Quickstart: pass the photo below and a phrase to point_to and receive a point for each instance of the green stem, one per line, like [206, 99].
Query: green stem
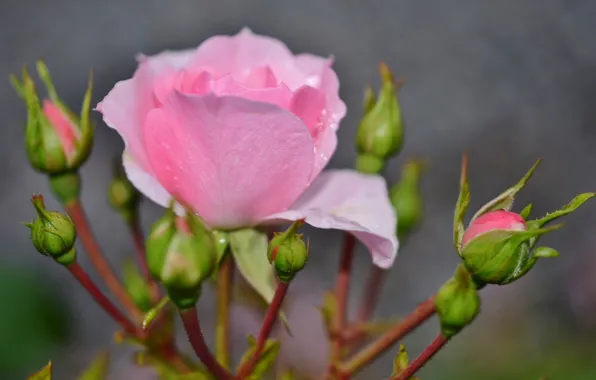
[225, 277]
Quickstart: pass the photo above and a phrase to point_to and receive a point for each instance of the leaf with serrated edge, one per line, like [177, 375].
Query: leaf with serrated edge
[573, 205]
[266, 359]
[249, 248]
[505, 200]
[98, 369]
[44, 374]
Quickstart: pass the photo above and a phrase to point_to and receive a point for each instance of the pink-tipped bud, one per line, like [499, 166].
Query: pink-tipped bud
[491, 221]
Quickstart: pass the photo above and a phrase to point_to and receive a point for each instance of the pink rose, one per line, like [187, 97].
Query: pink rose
[495, 220]
[66, 130]
[239, 129]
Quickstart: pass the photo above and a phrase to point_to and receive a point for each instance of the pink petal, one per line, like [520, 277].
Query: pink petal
[65, 128]
[260, 77]
[245, 51]
[353, 202]
[126, 106]
[232, 160]
[321, 76]
[495, 220]
[145, 182]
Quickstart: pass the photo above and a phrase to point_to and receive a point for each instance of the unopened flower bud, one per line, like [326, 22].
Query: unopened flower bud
[499, 246]
[457, 302]
[53, 234]
[380, 133]
[57, 141]
[287, 252]
[123, 196]
[183, 255]
[406, 199]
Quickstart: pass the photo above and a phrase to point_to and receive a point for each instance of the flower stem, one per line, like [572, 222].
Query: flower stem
[423, 312]
[342, 292]
[268, 323]
[371, 294]
[190, 320]
[79, 273]
[225, 277]
[439, 342]
[77, 214]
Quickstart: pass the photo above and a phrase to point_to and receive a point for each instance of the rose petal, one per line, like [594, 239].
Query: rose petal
[65, 128]
[168, 59]
[321, 76]
[232, 160]
[145, 182]
[125, 109]
[353, 202]
[241, 53]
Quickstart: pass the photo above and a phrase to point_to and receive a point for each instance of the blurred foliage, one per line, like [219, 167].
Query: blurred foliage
[34, 322]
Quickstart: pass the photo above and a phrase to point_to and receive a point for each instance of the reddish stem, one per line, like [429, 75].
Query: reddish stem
[342, 291]
[77, 214]
[190, 320]
[371, 294]
[79, 273]
[268, 324]
[428, 353]
[423, 312]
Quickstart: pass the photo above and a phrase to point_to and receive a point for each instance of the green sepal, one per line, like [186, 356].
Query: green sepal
[525, 213]
[461, 207]
[370, 99]
[505, 200]
[44, 374]
[265, 360]
[98, 370]
[502, 256]
[222, 242]
[573, 205]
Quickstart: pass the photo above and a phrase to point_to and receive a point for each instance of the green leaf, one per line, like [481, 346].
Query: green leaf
[463, 201]
[154, 312]
[98, 369]
[328, 310]
[44, 374]
[565, 210]
[249, 248]
[400, 363]
[265, 360]
[288, 375]
[505, 200]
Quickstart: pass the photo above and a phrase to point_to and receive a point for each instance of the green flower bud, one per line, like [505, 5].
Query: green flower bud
[123, 196]
[457, 302]
[181, 254]
[406, 199]
[57, 141]
[380, 133]
[287, 252]
[53, 234]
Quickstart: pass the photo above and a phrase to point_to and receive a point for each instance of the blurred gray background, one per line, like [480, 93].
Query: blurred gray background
[506, 81]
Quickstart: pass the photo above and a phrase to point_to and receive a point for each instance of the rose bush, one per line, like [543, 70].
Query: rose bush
[239, 130]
